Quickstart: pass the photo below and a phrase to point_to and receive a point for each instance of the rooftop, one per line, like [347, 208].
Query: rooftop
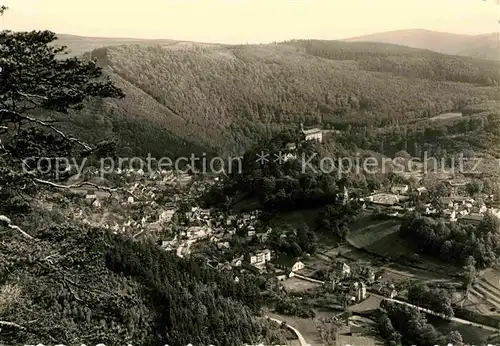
[473, 217]
[311, 131]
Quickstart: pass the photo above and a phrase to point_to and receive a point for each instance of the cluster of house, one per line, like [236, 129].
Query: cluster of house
[386, 289]
[282, 267]
[126, 223]
[258, 261]
[314, 134]
[166, 176]
[462, 209]
[455, 208]
[198, 215]
[261, 261]
[203, 224]
[139, 192]
[354, 288]
[247, 222]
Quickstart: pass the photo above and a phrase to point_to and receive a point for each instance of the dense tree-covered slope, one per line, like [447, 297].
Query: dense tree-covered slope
[480, 46]
[225, 98]
[76, 285]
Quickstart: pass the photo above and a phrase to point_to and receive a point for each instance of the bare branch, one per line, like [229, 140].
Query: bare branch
[71, 290]
[32, 96]
[46, 124]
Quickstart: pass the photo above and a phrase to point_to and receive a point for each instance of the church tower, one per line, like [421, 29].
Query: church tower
[346, 195]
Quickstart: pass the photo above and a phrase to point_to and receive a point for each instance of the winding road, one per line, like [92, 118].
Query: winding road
[299, 334]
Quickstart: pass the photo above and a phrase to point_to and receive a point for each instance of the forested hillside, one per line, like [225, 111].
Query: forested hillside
[225, 98]
[82, 285]
[477, 130]
[405, 61]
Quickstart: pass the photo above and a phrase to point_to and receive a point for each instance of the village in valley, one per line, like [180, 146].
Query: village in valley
[342, 280]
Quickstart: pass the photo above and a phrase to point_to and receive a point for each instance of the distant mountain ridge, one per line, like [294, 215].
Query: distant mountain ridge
[483, 46]
[78, 45]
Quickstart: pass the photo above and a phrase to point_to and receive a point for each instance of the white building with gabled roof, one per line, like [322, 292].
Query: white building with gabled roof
[315, 134]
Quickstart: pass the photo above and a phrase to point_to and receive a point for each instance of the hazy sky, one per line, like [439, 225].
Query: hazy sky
[252, 21]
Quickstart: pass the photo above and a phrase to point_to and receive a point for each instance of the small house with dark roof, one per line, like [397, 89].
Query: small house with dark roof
[473, 219]
[289, 264]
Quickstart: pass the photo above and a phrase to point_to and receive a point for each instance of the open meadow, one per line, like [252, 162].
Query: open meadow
[298, 285]
[379, 237]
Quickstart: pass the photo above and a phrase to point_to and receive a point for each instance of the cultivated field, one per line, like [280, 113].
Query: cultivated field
[367, 231]
[379, 237]
[486, 291]
[371, 303]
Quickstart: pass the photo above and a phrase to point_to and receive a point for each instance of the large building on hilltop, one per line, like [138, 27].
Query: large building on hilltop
[315, 134]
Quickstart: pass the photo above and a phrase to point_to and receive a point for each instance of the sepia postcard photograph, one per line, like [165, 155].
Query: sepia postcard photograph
[250, 173]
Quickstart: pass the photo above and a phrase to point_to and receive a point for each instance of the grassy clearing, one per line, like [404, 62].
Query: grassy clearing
[390, 244]
[9, 296]
[298, 285]
[379, 237]
[365, 236]
[371, 303]
[358, 340]
[446, 116]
